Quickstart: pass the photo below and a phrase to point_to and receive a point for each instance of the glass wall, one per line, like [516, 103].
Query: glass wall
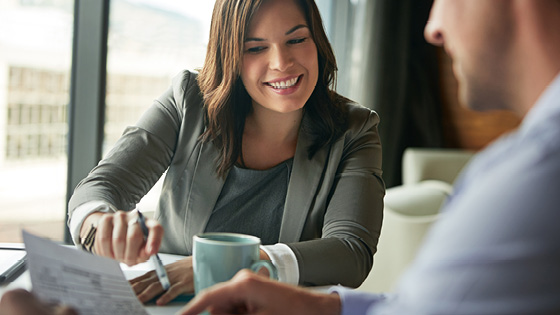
[149, 42]
[35, 59]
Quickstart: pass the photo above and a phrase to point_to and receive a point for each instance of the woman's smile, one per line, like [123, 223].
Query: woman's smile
[285, 86]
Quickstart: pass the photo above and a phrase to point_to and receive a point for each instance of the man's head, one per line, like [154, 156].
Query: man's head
[499, 48]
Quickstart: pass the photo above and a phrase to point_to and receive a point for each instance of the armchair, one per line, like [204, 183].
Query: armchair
[410, 210]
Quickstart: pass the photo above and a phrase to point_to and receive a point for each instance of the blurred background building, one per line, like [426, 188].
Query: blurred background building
[148, 43]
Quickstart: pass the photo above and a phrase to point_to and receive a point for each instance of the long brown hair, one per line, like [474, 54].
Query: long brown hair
[228, 103]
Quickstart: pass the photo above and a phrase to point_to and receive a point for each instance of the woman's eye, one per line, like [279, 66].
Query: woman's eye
[255, 49]
[297, 40]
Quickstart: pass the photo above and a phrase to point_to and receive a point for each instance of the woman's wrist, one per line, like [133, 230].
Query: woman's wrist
[88, 231]
[263, 255]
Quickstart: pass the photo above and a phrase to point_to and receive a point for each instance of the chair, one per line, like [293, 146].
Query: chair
[411, 209]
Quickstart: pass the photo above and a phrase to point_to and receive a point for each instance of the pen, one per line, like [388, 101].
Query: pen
[14, 269]
[160, 269]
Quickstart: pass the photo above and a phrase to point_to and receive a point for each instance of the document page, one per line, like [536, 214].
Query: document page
[90, 284]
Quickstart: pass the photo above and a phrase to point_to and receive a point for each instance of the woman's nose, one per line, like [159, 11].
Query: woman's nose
[280, 59]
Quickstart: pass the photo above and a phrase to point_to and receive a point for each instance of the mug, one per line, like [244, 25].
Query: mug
[218, 256]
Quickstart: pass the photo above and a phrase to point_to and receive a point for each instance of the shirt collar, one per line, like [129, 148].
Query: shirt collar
[546, 106]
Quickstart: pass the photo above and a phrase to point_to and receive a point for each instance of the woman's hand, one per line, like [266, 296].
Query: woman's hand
[180, 275]
[120, 237]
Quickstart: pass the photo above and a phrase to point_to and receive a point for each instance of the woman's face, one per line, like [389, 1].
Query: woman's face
[280, 63]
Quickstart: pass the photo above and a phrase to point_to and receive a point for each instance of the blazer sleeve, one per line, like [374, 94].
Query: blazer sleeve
[140, 156]
[354, 210]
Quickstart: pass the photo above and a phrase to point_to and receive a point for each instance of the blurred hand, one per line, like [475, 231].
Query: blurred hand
[180, 275]
[120, 237]
[21, 302]
[248, 293]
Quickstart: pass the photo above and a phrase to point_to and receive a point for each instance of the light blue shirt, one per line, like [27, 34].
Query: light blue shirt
[496, 248]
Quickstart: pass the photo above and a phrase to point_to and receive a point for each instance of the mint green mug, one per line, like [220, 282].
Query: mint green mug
[218, 256]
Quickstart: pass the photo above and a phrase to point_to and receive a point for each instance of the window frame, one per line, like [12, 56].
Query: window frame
[86, 112]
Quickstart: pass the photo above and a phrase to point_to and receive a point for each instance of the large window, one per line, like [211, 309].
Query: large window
[35, 60]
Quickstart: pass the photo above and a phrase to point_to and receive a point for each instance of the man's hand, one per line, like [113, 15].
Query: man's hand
[21, 302]
[248, 293]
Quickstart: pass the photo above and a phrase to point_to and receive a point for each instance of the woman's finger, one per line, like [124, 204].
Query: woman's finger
[134, 245]
[103, 245]
[142, 278]
[119, 234]
[151, 291]
[141, 283]
[154, 237]
[173, 292]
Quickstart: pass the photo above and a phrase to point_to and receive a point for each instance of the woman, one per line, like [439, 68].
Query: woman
[257, 143]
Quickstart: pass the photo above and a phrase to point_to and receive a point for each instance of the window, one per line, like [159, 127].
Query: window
[35, 59]
[149, 42]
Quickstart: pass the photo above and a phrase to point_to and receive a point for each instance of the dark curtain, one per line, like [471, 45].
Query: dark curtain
[404, 84]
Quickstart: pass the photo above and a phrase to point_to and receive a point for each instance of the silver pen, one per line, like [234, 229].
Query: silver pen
[160, 269]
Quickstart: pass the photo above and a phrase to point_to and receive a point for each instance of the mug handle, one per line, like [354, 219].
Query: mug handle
[272, 271]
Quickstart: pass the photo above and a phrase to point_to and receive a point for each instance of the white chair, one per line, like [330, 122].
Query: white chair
[421, 164]
[411, 209]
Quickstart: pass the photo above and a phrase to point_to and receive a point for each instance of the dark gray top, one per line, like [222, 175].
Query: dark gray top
[252, 202]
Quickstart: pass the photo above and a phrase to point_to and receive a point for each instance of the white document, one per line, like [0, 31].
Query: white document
[90, 284]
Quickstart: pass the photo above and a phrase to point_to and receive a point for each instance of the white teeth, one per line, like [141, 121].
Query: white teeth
[284, 84]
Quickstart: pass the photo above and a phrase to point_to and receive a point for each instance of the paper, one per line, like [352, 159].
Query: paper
[90, 284]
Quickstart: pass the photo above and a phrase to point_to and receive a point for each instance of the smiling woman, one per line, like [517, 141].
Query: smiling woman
[257, 143]
[279, 71]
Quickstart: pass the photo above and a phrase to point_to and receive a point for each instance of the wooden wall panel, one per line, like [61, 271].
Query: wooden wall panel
[464, 128]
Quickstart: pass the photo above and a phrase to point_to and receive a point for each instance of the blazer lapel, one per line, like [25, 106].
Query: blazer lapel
[304, 180]
[206, 188]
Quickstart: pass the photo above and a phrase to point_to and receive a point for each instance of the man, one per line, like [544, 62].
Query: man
[495, 250]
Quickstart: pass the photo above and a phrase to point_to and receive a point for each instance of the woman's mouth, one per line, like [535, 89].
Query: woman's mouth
[285, 84]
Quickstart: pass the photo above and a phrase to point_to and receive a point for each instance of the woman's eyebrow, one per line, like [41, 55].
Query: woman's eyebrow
[293, 29]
